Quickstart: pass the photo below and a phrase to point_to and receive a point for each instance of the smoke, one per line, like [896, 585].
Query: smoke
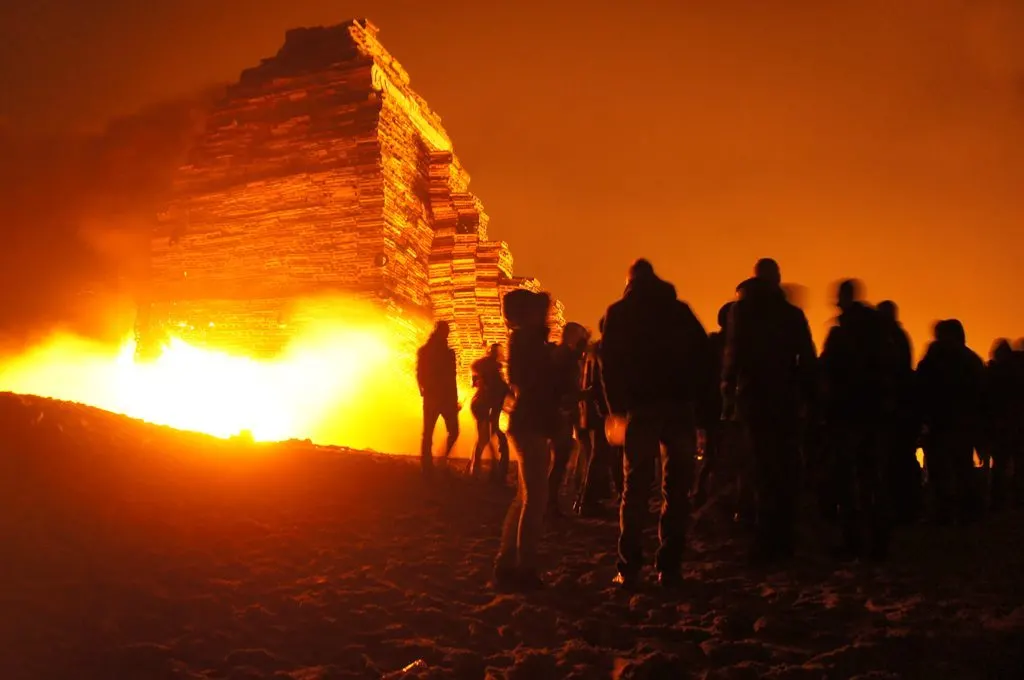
[75, 214]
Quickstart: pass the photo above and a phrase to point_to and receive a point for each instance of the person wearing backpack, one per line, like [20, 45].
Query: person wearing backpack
[656, 369]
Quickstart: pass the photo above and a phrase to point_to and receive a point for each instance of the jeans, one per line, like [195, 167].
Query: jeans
[524, 522]
[863, 487]
[671, 425]
[486, 428]
[431, 412]
[774, 449]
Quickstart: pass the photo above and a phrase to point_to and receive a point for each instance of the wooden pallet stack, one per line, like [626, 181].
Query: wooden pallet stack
[322, 170]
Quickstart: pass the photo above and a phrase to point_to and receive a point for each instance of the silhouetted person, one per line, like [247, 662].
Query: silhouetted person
[656, 363]
[435, 372]
[568, 363]
[856, 366]
[1003, 423]
[486, 407]
[599, 474]
[534, 421]
[767, 378]
[950, 391]
[726, 458]
[902, 426]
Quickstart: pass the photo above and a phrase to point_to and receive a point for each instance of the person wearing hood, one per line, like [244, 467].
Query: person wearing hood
[1002, 424]
[656, 369]
[533, 424]
[436, 375]
[950, 391]
[903, 426]
[600, 473]
[724, 453]
[568, 364]
[768, 378]
[486, 407]
[856, 370]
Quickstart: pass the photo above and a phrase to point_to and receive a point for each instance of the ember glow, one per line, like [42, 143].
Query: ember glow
[338, 382]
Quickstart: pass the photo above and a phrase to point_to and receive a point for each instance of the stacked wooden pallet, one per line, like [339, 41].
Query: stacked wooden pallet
[322, 170]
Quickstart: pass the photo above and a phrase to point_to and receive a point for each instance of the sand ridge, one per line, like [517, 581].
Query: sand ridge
[133, 551]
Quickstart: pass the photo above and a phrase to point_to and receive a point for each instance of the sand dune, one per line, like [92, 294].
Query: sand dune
[132, 551]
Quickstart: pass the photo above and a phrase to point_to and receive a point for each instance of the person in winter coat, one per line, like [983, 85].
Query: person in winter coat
[486, 407]
[950, 391]
[435, 373]
[902, 426]
[533, 423]
[656, 363]
[1002, 424]
[600, 474]
[768, 377]
[856, 372]
[568, 360]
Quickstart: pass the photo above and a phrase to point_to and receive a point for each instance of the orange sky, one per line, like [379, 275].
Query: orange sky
[866, 138]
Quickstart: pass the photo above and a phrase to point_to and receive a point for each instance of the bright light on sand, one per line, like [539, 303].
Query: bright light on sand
[346, 379]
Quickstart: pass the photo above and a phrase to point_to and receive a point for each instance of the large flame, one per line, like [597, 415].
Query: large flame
[345, 379]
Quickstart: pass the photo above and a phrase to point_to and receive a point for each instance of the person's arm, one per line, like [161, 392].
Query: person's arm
[807, 360]
[730, 360]
[421, 372]
[702, 367]
[613, 364]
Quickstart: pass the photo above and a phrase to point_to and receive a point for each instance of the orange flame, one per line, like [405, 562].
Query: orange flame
[345, 379]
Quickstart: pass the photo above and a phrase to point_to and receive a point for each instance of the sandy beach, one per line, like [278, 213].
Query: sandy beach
[134, 551]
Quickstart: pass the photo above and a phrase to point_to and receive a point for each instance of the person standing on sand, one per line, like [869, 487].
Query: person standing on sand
[767, 379]
[568, 360]
[486, 406]
[857, 363]
[950, 389]
[656, 363]
[435, 373]
[599, 475]
[533, 423]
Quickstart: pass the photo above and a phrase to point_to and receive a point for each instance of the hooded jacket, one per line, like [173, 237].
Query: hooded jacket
[769, 362]
[654, 350]
[857, 366]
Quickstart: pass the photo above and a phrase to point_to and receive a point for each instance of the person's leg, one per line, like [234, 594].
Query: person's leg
[965, 479]
[499, 473]
[507, 561]
[641, 452]
[788, 482]
[874, 459]
[938, 460]
[563, 447]
[534, 459]
[679, 436]
[451, 425]
[430, 415]
[846, 443]
[597, 482]
[483, 439]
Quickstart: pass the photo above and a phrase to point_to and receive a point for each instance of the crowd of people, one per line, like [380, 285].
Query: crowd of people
[750, 415]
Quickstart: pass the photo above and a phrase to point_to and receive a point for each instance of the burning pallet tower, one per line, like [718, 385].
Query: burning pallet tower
[321, 171]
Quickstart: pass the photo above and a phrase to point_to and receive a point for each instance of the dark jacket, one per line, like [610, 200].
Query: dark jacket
[594, 403]
[491, 388]
[435, 373]
[533, 377]
[950, 388]
[1003, 403]
[716, 343]
[768, 369]
[901, 368]
[654, 350]
[858, 367]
